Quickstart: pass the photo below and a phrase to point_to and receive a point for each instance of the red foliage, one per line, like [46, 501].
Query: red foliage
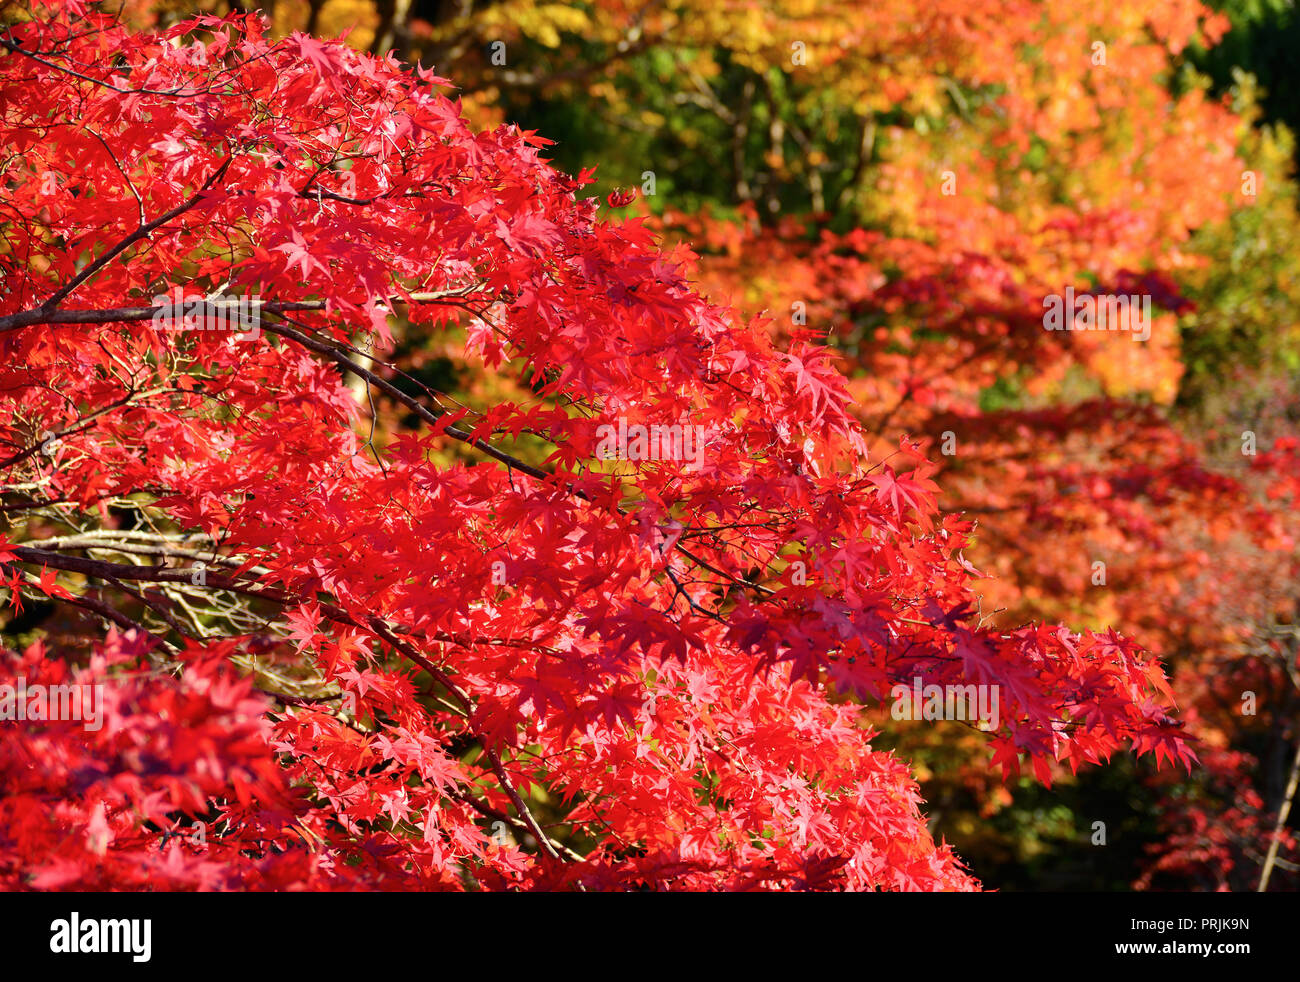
[614, 642]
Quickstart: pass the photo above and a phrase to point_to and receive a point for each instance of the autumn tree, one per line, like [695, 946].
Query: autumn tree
[333, 657]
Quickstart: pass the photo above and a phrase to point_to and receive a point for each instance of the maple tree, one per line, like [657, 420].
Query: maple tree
[358, 659]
